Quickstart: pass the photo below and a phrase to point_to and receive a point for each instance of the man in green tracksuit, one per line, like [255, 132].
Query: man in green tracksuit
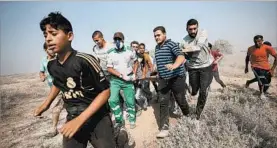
[120, 64]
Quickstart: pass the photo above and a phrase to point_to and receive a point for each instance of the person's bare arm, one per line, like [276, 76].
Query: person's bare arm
[218, 58]
[73, 126]
[274, 64]
[144, 71]
[101, 85]
[180, 58]
[135, 68]
[150, 65]
[247, 59]
[54, 91]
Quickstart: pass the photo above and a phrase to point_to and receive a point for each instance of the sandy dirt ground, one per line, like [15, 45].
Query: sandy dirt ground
[20, 94]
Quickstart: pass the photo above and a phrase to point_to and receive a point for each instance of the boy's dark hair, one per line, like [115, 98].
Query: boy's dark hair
[134, 42]
[97, 32]
[44, 46]
[57, 21]
[142, 44]
[161, 28]
[267, 43]
[257, 37]
[210, 45]
[192, 22]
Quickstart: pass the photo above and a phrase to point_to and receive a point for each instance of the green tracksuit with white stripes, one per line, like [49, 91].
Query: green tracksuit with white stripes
[122, 61]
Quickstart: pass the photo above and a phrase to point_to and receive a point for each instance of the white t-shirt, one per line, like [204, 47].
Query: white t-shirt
[122, 61]
[102, 55]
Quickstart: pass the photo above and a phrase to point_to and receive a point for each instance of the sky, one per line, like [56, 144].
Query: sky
[21, 39]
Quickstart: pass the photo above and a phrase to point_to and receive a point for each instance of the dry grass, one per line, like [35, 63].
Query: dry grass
[231, 120]
[234, 119]
[237, 118]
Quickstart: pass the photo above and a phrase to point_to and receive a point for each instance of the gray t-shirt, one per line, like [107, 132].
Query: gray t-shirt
[197, 50]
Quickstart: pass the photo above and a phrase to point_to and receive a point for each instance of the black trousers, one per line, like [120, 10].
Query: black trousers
[100, 134]
[200, 80]
[263, 77]
[165, 87]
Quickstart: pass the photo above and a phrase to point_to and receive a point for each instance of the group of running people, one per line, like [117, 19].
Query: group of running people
[92, 87]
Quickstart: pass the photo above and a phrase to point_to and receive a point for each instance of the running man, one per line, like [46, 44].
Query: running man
[135, 46]
[217, 57]
[84, 87]
[101, 49]
[145, 67]
[121, 60]
[171, 71]
[248, 82]
[195, 45]
[44, 75]
[258, 56]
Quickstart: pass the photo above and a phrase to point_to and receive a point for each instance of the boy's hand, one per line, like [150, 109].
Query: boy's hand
[39, 110]
[70, 128]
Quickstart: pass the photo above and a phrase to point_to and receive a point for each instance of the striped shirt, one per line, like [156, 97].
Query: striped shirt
[167, 54]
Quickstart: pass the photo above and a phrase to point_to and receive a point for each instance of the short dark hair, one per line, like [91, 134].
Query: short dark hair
[257, 37]
[142, 44]
[97, 32]
[44, 46]
[267, 43]
[57, 21]
[210, 45]
[134, 42]
[192, 22]
[161, 28]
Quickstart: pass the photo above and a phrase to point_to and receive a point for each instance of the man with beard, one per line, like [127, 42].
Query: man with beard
[258, 56]
[195, 45]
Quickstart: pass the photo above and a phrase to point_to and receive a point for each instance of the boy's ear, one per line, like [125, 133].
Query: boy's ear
[70, 36]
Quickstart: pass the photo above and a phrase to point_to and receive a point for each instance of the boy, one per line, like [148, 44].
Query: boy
[83, 85]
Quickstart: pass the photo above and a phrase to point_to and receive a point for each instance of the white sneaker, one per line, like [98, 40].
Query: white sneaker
[262, 96]
[132, 125]
[163, 134]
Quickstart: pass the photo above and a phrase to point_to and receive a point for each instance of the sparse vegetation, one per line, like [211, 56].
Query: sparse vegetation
[233, 119]
[224, 46]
